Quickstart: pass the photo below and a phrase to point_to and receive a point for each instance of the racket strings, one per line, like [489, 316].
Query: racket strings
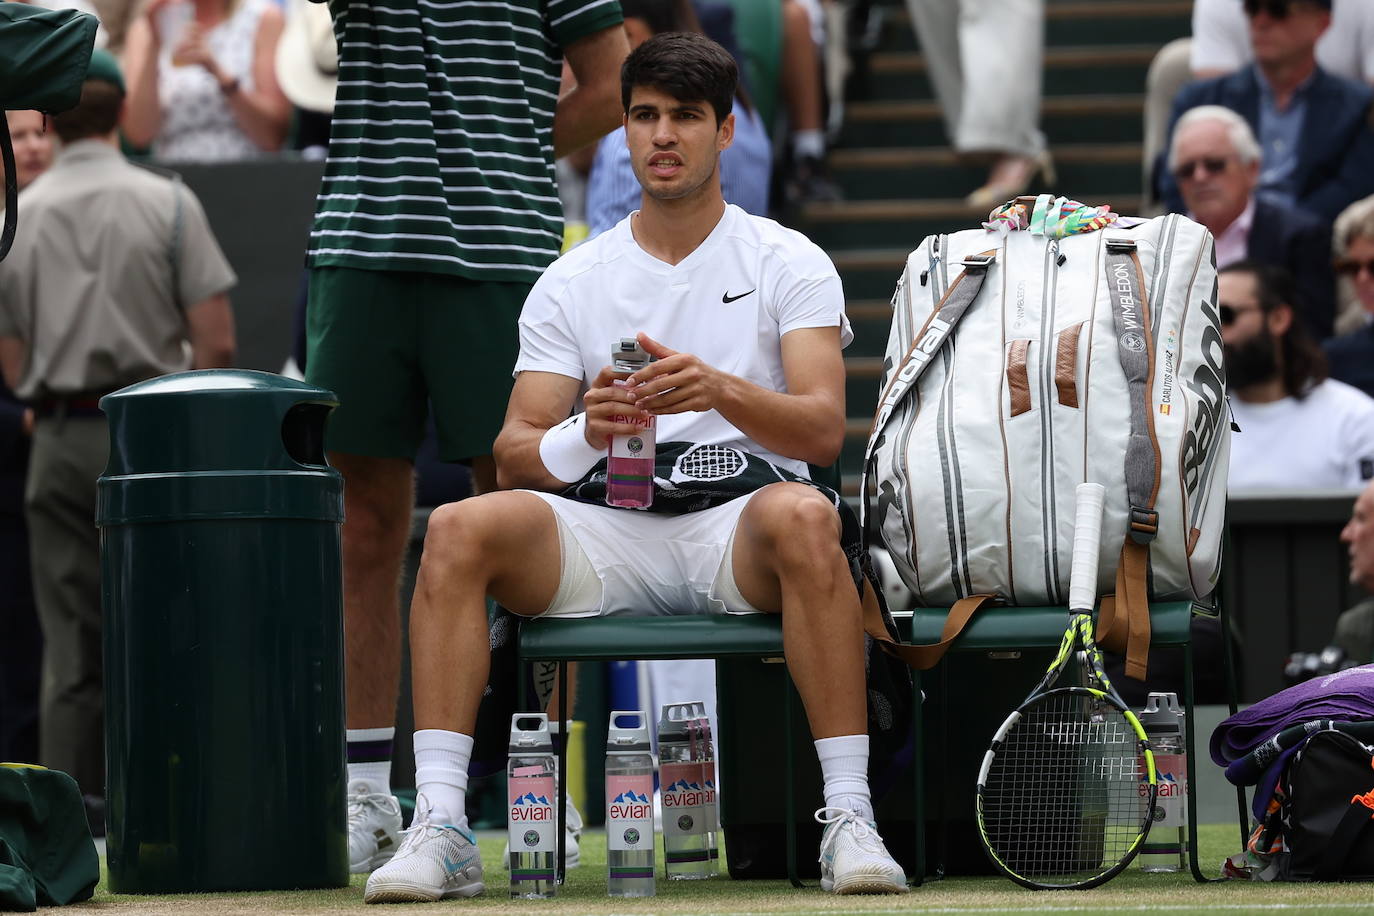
[1063, 801]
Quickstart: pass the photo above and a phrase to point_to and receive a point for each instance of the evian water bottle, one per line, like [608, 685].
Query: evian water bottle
[630, 460]
[686, 852]
[1167, 843]
[629, 807]
[531, 818]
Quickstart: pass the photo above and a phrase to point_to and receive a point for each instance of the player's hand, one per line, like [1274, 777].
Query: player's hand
[675, 382]
[195, 50]
[611, 409]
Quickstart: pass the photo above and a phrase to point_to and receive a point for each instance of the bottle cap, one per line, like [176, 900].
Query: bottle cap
[529, 733]
[675, 720]
[1162, 714]
[628, 739]
[627, 355]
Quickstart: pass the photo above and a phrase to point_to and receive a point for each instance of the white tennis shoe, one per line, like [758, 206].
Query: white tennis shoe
[853, 857]
[374, 828]
[435, 861]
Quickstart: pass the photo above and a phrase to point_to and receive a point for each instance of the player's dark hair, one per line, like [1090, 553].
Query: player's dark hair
[95, 116]
[689, 67]
[1304, 363]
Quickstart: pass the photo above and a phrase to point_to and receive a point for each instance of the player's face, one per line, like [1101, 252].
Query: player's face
[675, 146]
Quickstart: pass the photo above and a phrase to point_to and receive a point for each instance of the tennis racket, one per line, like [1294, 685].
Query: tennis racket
[1066, 792]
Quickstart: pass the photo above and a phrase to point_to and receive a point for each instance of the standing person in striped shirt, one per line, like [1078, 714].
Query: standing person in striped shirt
[437, 213]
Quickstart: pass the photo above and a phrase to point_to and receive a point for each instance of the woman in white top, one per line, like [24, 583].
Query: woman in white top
[202, 85]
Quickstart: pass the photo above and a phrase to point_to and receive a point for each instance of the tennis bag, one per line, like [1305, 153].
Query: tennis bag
[1019, 365]
[1327, 811]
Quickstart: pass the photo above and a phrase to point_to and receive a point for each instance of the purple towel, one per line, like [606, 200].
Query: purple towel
[1347, 696]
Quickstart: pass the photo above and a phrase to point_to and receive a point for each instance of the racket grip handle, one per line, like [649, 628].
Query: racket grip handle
[1087, 537]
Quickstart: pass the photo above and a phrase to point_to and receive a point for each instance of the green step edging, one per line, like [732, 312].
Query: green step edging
[1067, 71]
[1085, 22]
[1088, 118]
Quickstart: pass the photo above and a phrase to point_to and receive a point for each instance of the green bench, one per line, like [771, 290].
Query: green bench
[760, 636]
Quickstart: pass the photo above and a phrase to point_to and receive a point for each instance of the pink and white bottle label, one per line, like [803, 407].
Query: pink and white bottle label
[532, 817]
[684, 799]
[630, 812]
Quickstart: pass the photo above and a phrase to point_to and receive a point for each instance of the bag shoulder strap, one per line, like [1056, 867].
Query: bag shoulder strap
[1124, 625]
[925, 657]
[925, 344]
[11, 189]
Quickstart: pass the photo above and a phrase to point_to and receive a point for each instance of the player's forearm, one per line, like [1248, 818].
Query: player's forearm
[808, 427]
[518, 463]
[584, 115]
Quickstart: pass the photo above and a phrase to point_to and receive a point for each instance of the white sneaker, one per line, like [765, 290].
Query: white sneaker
[434, 861]
[853, 857]
[374, 827]
[572, 840]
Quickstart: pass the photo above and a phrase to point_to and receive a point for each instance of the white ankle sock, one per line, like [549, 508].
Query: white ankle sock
[809, 143]
[844, 767]
[369, 757]
[441, 773]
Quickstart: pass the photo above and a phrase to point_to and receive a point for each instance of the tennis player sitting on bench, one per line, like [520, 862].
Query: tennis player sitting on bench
[753, 391]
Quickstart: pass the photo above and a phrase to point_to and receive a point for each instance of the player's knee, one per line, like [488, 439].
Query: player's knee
[798, 520]
[455, 538]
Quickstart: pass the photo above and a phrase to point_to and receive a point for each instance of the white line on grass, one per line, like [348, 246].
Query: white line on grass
[1164, 908]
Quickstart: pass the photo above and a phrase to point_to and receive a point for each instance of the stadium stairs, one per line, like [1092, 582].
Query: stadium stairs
[902, 181]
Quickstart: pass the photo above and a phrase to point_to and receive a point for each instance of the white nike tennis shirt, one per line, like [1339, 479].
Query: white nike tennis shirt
[729, 302]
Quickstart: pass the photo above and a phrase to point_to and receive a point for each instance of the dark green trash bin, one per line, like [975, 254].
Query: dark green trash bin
[221, 583]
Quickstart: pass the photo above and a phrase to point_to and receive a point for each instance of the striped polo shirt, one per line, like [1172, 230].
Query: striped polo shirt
[441, 151]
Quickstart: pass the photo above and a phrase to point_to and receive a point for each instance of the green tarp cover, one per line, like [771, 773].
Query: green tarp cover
[43, 57]
[47, 856]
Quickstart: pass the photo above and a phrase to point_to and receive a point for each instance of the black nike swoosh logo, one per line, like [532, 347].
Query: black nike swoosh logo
[727, 298]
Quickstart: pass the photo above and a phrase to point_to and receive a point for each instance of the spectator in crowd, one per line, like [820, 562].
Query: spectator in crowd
[33, 146]
[1355, 627]
[1299, 429]
[745, 167]
[21, 649]
[1317, 148]
[772, 548]
[437, 213]
[1351, 356]
[1221, 40]
[807, 177]
[91, 301]
[202, 80]
[984, 59]
[1215, 160]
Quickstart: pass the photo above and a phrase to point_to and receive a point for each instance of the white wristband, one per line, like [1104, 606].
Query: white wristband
[565, 452]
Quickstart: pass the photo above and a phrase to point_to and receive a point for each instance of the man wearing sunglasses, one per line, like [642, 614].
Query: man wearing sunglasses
[1299, 429]
[1215, 160]
[1317, 148]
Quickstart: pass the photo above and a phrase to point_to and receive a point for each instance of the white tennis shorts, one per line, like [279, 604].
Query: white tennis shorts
[648, 564]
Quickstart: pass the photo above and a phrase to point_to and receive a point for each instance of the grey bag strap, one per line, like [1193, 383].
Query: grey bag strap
[1135, 347]
[925, 344]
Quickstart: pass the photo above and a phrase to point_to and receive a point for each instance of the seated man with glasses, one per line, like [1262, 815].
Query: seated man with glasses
[1352, 355]
[1316, 144]
[1299, 429]
[1215, 158]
